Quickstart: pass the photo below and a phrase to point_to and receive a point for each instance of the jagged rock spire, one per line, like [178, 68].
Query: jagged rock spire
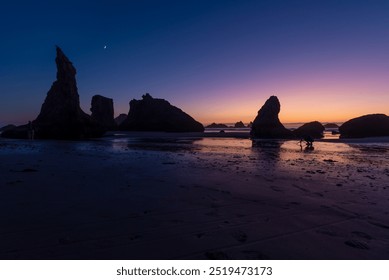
[61, 116]
[62, 101]
[65, 68]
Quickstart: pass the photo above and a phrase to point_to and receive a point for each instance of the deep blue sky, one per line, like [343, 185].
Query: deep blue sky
[217, 60]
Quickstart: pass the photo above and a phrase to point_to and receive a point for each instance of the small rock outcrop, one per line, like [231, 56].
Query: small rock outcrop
[313, 129]
[17, 132]
[7, 127]
[239, 124]
[217, 125]
[102, 111]
[373, 125]
[120, 119]
[267, 123]
[331, 125]
[153, 114]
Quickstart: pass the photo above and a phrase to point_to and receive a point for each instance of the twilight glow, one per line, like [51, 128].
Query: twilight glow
[217, 60]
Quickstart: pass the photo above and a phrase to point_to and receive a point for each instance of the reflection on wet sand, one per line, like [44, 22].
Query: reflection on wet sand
[267, 150]
[193, 197]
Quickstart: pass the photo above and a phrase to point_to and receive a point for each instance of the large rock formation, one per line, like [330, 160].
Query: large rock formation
[120, 119]
[61, 116]
[313, 129]
[217, 125]
[267, 124]
[102, 111]
[152, 114]
[365, 126]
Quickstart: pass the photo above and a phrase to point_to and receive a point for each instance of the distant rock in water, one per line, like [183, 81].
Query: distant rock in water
[239, 124]
[102, 111]
[217, 125]
[120, 119]
[61, 116]
[313, 129]
[153, 114]
[373, 125]
[267, 124]
[331, 125]
[17, 132]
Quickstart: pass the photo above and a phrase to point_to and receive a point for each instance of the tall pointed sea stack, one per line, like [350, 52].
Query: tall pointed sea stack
[267, 124]
[61, 116]
[62, 102]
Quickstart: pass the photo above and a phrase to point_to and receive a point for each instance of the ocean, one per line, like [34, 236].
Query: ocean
[327, 133]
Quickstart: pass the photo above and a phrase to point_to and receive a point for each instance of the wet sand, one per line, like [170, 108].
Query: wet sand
[152, 196]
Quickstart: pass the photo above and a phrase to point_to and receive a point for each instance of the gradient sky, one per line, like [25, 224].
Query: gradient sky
[217, 60]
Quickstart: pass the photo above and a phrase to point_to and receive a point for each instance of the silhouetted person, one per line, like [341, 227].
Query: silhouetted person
[308, 142]
[31, 131]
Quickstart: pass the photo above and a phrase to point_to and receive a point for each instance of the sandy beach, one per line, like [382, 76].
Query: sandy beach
[186, 196]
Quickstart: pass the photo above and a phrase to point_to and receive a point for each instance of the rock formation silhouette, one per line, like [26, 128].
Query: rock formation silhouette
[7, 127]
[103, 112]
[373, 125]
[239, 124]
[61, 116]
[217, 125]
[267, 123]
[153, 114]
[313, 129]
[120, 119]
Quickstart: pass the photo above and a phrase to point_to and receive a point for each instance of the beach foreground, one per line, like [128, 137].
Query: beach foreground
[175, 197]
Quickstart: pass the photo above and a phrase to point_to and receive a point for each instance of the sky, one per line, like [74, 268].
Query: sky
[217, 60]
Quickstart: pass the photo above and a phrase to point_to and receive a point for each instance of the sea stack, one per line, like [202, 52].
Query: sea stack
[103, 112]
[313, 129]
[373, 125]
[217, 125]
[153, 114]
[267, 123]
[61, 116]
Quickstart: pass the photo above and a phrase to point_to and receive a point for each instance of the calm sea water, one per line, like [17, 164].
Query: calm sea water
[287, 125]
[327, 133]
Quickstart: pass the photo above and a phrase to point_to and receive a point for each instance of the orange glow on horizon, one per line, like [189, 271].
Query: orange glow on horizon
[323, 107]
